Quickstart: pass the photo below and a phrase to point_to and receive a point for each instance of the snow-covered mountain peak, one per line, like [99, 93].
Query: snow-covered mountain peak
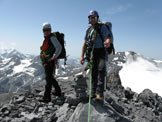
[7, 53]
[139, 73]
[20, 72]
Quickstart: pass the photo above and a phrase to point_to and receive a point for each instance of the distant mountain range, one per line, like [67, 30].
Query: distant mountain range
[21, 72]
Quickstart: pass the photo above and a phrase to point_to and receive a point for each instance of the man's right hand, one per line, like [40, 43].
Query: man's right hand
[82, 60]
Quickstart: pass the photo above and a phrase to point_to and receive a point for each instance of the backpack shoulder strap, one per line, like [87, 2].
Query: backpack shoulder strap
[98, 29]
[53, 34]
[102, 38]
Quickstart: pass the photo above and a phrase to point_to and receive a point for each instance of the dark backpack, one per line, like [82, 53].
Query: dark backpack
[111, 49]
[60, 38]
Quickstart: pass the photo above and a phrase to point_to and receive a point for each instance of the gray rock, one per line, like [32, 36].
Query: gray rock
[6, 113]
[33, 104]
[20, 100]
[72, 100]
[128, 93]
[6, 119]
[99, 113]
[160, 107]
[73, 107]
[52, 118]
[14, 114]
[61, 113]
[36, 119]
[28, 107]
[4, 108]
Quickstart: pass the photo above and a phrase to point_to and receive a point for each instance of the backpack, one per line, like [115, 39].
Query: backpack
[111, 49]
[60, 38]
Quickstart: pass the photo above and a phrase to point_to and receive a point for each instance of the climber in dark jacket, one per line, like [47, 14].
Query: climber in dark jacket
[49, 59]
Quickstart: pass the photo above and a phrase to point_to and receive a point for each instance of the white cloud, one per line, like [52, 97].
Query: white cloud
[13, 45]
[7, 45]
[142, 74]
[2, 46]
[118, 9]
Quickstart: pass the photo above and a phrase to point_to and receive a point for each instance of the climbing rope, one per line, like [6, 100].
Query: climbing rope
[90, 84]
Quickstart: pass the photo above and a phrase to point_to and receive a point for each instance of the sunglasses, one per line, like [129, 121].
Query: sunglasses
[93, 17]
[45, 30]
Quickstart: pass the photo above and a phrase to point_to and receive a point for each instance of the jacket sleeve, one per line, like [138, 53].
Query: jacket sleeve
[57, 46]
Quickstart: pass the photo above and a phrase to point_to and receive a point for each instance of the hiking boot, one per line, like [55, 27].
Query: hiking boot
[99, 97]
[45, 100]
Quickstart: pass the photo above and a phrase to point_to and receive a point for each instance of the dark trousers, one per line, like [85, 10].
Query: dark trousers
[50, 80]
[98, 71]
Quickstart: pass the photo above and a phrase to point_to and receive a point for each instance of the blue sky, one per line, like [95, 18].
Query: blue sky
[137, 24]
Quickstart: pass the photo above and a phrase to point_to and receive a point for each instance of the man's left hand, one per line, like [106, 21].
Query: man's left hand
[107, 43]
[52, 59]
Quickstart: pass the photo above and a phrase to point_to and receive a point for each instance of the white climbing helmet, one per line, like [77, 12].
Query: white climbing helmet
[46, 25]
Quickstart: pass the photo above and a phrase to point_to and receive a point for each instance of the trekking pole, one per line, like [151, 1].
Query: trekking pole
[90, 84]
